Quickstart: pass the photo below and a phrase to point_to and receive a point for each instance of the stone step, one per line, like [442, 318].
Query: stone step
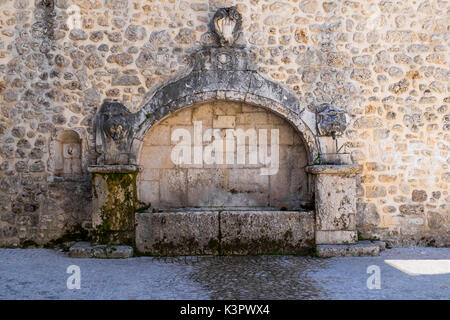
[86, 250]
[224, 232]
[362, 248]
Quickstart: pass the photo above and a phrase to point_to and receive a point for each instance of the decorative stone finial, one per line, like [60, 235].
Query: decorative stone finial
[331, 121]
[227, 23]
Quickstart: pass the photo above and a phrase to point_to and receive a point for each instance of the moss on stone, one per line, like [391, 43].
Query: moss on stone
[189, 245]
[265, 245]
[75, 234]
[118, 211]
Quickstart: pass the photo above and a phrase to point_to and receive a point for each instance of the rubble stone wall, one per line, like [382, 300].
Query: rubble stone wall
[384, 62]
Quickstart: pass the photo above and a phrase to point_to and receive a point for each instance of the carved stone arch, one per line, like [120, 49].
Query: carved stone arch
[223, 74]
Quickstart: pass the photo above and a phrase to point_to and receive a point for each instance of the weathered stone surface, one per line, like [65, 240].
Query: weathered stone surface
[114, 206]
[187, 232]
[419, 195]
[330, 121]
[86, 250]
[135, 33]
[263, 232]
[389, 76]
[78, 34]
[375, 191]
[177, 233]
[94, 61]
[363, 248]
[231, 183]
[336, 237]
[113, 133]
[412, 209]
[367, 215]
[185, 36]
[227, 24]
[335, 203]
[126, 80]
[113, 168]
[219, 69]
[335, 198]
[345, 169]
[81, 250]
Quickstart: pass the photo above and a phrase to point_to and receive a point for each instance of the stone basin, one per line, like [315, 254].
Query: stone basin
[224, 231]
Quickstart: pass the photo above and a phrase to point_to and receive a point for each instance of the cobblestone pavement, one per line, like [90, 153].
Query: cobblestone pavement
[41, 274]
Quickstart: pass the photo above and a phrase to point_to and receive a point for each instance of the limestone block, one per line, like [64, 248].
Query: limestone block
[160, 157]
[158, 136]
[172, 187]
[336, 237]
[119, 252]
[327, 144]
[114, 203]
[178, 129]
[248, 180]
[182, 117]
[286, 134]
[259, 232]
[222, 108]
[252, 118]
[149, 192]
[207, 187]
[335, 158]
[81, 250]
[149, 174]
[292, 157]
[272, 118]
[224, 122]
[248, 188]
[335, 202]
[178, 233]
[363, 248]
[295, 181]
[203, 113]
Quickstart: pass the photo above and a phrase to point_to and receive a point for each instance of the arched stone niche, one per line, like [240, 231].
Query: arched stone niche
[218, 74]
[243, 174]
[66, 154]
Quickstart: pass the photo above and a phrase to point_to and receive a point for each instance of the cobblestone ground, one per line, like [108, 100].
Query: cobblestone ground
[41, 274]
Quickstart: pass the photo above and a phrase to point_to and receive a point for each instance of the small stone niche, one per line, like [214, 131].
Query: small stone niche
[67, 154]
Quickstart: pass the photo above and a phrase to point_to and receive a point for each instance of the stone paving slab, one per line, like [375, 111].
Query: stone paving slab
[42, 274]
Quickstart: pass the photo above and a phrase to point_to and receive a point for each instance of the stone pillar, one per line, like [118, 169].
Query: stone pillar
[335, 201]
[114, 203]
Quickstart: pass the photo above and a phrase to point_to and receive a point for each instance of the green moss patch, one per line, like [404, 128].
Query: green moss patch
[117, 213]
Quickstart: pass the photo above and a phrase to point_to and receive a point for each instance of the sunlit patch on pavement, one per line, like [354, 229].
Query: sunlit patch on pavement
[421, 267]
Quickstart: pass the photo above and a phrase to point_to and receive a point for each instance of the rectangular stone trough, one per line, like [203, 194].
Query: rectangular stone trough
[224, 232]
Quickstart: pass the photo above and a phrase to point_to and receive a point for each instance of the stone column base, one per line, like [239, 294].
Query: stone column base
[335, 198]
[114, 198]
[336, 237]
[363, 248]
